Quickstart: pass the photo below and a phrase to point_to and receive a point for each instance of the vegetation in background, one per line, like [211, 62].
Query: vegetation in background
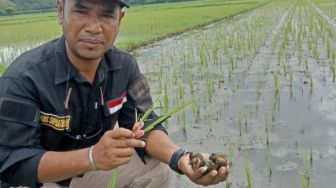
[141, 25]
[29, 6]
[2, 68]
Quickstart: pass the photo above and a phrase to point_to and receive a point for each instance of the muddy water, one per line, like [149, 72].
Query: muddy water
[244, 104]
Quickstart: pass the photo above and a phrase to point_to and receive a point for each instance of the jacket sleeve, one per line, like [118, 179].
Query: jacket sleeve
[19, 136]
[139, 99]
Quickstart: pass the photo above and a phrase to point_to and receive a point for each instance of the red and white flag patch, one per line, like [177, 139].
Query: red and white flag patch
[116, 104]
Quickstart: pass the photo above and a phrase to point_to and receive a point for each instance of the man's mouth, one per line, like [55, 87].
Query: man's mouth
[91, 43]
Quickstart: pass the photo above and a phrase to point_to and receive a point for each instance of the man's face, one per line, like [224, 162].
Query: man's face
[90, 27]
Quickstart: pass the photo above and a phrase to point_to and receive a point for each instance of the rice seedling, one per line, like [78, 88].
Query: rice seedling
[310, 76]
[113, 181]
[291, 78]
[304, 181]
[311, 157]
[191, 85]
[209, 121]
[306, 64]
[181, 91]
[231, 62]
[196, 111]
[269, 162]
[276, 84]
[231, 149]
[250, 183]
[329, 50]
[209, 86]
[275, 106]
[228, 183]
[333, 71]
[165, 98]
[240, 120]
[221, 79]
[306, 172]
[184, 122]
[267, 130]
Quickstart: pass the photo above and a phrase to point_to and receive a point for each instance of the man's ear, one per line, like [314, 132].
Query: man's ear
[60, 10]
[122, 14]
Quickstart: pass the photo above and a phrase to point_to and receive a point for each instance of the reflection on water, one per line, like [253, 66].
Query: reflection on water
[9, 53]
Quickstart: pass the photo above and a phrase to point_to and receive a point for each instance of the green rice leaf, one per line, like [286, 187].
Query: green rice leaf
[167, 115]
[144, 117]
[113, 181]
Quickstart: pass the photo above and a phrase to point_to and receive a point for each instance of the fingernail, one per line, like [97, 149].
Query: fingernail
[143, 143]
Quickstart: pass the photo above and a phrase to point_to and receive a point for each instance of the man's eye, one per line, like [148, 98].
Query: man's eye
[108, 15]
[81, 11]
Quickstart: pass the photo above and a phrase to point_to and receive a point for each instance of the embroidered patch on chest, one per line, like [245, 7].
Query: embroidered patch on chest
[60, 123]
[114, 105]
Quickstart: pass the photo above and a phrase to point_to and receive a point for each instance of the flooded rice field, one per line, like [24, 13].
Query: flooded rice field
[263, 90]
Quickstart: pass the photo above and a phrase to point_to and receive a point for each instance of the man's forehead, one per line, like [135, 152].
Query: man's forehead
[95, 2]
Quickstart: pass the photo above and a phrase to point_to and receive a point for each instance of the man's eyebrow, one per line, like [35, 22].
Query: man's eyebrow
[108, 11]
[79, 5]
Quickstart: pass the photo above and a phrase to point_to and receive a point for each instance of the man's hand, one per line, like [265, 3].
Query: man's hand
[198, 176]
[115, 148]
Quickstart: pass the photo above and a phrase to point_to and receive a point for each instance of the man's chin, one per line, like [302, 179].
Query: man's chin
[89, 56]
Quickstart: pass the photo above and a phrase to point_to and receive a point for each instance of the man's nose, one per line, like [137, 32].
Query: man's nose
[93, 25]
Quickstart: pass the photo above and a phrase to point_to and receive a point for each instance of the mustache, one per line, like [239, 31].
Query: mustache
[91, 40]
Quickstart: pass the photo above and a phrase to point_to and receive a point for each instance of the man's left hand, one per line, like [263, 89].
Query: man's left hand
[198, 176]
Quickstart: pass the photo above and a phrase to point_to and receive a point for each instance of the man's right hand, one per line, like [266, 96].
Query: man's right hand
[115, 148]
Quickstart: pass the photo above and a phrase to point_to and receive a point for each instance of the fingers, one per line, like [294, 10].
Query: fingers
[128, 143]
[124, 152]
[215, 177]
[115, 148]
[138, 133]
[221, 175]
[120, 133]
[138, 126]
[125, 133]
[123, 138]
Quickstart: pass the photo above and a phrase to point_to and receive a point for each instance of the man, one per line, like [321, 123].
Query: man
[59, 104]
